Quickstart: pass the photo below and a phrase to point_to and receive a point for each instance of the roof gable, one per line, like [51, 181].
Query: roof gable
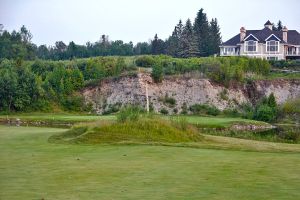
[272, 37]
[251, 37]
[268, 23]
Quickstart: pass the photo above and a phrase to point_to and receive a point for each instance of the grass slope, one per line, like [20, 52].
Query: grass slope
[32, 168]
[143, 130]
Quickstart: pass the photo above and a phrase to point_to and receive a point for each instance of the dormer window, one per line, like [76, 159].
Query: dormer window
[272, 46]
[251, 46]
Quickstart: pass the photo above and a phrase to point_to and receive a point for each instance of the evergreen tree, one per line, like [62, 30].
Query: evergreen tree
[188, 42]
[214, 37]
[71, 50]
[157, 46]
[201, 29]
[179, 28]
[279, 26]
[172, 44]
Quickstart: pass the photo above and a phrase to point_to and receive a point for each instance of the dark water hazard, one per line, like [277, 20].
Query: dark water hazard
[280, 133]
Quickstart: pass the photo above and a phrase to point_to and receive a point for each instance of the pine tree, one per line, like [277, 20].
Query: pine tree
[173, 43]
[201, 29]
[214, 37]
[279, 26]
[179, 28]
[157, 46]
[188, 42]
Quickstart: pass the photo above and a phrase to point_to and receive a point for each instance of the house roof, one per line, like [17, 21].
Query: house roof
[268, 23]
[293, 36]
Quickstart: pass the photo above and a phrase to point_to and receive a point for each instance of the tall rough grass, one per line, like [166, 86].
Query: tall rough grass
[133, 126]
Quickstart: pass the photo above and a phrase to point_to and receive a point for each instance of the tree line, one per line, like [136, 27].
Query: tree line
[200, 38]
[43, 85]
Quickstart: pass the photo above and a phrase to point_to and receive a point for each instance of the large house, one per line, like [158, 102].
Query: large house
[265, 43]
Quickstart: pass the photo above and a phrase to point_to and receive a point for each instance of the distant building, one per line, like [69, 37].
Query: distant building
[265, 43]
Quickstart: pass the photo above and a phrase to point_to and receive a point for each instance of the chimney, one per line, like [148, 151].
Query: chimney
[242, 33]
[285, 33]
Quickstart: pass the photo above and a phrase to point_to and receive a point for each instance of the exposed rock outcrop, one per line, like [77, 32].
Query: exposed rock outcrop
[189, 91]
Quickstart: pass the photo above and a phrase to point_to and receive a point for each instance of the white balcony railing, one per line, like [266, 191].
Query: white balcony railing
[229, 54]
[293, 53]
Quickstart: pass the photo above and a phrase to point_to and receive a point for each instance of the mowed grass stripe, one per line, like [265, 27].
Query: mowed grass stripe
[32, 168]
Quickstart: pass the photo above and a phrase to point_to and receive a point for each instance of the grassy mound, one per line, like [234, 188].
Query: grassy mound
[142, 130]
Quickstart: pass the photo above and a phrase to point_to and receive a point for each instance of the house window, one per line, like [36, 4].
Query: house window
[251, 45]
[272, 46]
[228, 50]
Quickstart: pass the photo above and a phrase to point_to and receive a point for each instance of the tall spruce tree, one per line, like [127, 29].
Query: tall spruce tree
[214, 37]
[158, 46]
[201, 29]
[188, 42]
[172, 44]
[179, 28]
[279, 26]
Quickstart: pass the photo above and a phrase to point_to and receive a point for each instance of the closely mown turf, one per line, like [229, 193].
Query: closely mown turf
[32, 168]
[57, 117]
[219, 122]
[203, 121]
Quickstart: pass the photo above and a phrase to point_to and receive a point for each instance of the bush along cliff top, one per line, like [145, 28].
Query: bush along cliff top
[44, 85]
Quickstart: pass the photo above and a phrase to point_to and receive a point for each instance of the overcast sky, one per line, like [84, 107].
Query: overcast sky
[137, 20]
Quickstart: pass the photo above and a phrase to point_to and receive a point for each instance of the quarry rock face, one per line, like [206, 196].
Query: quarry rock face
[185, 91]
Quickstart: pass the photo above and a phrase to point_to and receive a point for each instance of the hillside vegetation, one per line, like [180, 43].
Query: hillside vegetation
[55, 85]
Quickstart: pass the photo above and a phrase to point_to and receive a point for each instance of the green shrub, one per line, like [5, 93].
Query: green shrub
[224, 94]
[231, 112]
[212, 110]
[267, 109]
[157, 73]
[145, 61]
[289, 64]
[164, 111]
[112, 108]
[184, 109]
[204, 109]
[169, 101]
[264, 113]
[175, 110]
[247, 110]
[73, 103]
[131, 113]
[291, 107]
